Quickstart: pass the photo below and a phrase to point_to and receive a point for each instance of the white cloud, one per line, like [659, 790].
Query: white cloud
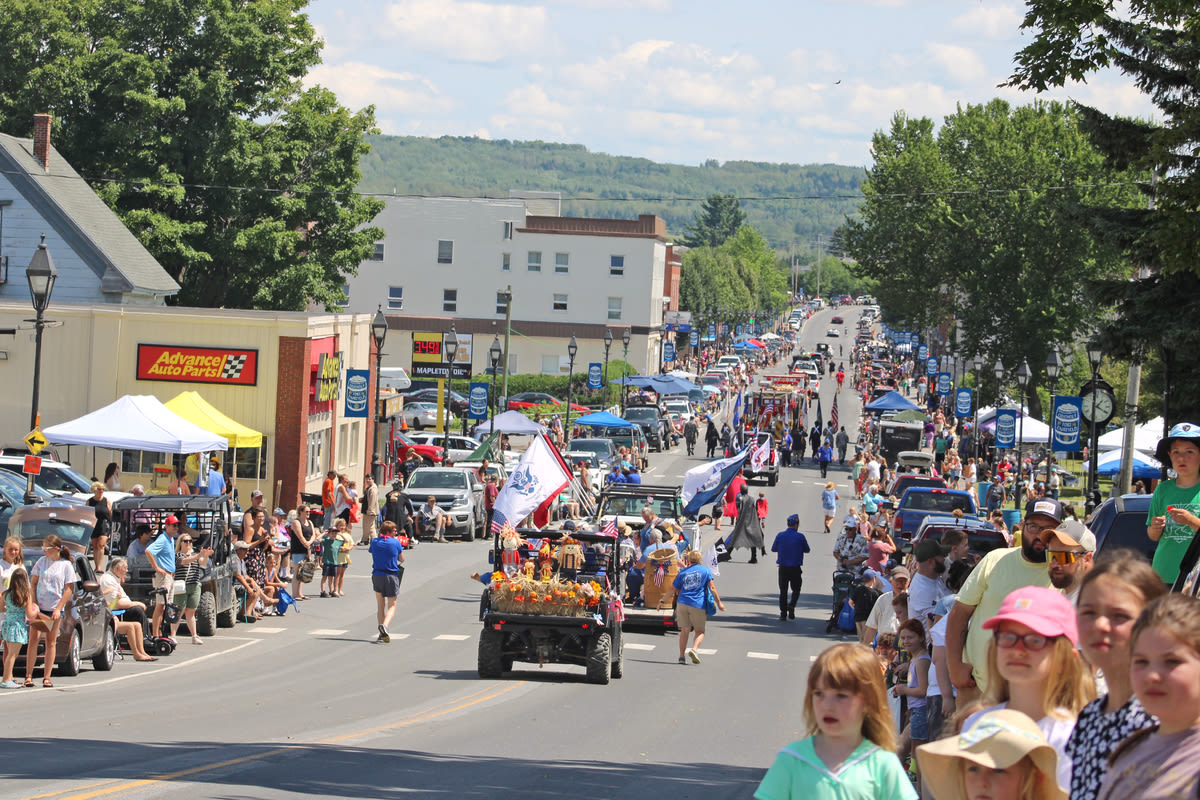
[963, 64]
[1000, 22]
[466, 31]
[614, 5]
[357, 85]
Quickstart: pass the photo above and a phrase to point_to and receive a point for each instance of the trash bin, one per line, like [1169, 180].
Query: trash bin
[1011, 517]
[981, 490]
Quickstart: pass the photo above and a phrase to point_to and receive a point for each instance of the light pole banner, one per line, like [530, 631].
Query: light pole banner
[694, 338]
[595, 375]
[1066, 432]
[931, 366]
[668, 352]
[357, 400]
[944, 383]
[1006, 428]
[964, 399]
[477, 403]
[923, 353]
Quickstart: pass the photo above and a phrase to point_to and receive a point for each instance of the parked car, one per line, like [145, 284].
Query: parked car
[604, 450]
[635, 440]
[535, 399]
[919, 502]
[652, 423]
[460, 446]
[458, 403]
[55, 477]
[455, 493]
[420, 415]
[12, 496]
[770, 470]
[428, 453]
[496, 469]
[908, 480]
[595, 473]
[88, 630]
[1120, 522]
[982, 536]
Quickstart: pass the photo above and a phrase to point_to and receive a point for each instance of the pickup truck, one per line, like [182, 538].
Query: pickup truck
[918, 502]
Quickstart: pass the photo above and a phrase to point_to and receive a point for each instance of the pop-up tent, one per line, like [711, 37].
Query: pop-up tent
[136, 422]
[1144, 467]
[892, 401]
[602, 419]
[194, 408]
[512, 422]
[1145, 437]
[660, 384]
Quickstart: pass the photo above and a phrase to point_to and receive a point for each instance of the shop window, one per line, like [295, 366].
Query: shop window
[614, 308]
[354, 449]
[251, 464]
[513, 363]
[141, 461]
[534, 261]
[396, 297]
[508, 230]
[502, 303]
[343, 445]
[550, 365]
[560, 302]
[318, 445]
[506, 262]
[562, 263]
[378, 254]
[450, 300]
[616, 266]
[445, 252]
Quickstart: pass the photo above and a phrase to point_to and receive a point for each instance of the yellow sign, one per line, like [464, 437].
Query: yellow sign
[36, 441]
[329, 374]
[427, 348]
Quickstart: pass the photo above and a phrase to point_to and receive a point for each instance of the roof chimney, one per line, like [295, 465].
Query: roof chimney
[41, 139]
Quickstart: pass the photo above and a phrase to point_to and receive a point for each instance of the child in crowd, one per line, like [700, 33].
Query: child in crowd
[912, 641]
[1160, 763]
[850, 751]
[1035, 668]
[1111, 597]
[1003, 756]
[330, 545]
[342, 530]
[18, 609]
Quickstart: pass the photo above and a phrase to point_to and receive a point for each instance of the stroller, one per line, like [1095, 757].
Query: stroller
[843, 583]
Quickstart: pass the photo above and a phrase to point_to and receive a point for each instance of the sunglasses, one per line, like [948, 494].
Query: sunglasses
[1030, 641]
[184, 541]
[1064, 557]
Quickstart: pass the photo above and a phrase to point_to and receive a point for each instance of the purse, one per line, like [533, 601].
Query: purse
[710, 603]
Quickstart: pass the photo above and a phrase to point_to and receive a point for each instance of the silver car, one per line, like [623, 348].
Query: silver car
[420, 415]
[455, 493]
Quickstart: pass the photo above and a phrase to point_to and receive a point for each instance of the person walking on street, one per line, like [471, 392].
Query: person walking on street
[711, 437]
[790, 545]
[370, 507]
[814, 439]
[824, 456]
[747, 531]
[842, 440]
[692, 586]
[829, 503]
[690, 432]
[785, 448]
[387, 557]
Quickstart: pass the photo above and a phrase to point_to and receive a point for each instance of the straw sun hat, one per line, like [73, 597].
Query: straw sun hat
[997, 740]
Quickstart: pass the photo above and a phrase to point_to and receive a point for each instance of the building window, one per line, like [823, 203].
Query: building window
[550, 365]
[450, 300]
[396, 297]
[560, 302]
[502, 303]
[534, 263]
[508, 229]
[345, 301]
[616, 266]
[561, 263]
[505, 262]
[378, 254]
[318, 443]
[141, 461]
[614, 308]
[445, 252]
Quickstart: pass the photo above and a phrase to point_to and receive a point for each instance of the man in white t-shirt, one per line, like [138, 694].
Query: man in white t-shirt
[927, 585]
[882, 619]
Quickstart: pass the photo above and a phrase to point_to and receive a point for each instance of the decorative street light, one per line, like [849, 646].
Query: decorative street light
[625, 367]
[41, 275]
[1024, 374]
[1054, 364]
[451, 345]
[572, 349]
[1094, 356]
[998, 371]
[608, 337]
[379, 329]
[494, 353]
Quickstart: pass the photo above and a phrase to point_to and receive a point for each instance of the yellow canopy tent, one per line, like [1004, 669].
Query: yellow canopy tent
[195, 409]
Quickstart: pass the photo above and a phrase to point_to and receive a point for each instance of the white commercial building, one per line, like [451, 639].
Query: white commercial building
[446, 260]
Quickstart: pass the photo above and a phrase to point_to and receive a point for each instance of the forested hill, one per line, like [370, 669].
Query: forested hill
[625, 187]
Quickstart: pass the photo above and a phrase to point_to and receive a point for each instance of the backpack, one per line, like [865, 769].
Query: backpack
[996, 492]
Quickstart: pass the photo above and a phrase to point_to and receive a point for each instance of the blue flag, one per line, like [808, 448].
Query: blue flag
[737, 410]
[705, 483]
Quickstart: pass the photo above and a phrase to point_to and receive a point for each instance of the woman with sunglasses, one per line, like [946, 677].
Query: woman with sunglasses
[1175, 504]
[188, 564]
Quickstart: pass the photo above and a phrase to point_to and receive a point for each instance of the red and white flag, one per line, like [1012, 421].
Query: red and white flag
[533, 485]
[760, 454]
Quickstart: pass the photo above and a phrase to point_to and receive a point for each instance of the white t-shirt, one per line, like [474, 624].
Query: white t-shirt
[53, 579]
[873, 470]
[883, 617]
[1057, 731]
[937, 638]
[923, 594]
[111, 588]
[6, 571]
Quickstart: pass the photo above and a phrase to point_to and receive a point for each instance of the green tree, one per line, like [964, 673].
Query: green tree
[741, 276]
[191, 121]
[720, 217]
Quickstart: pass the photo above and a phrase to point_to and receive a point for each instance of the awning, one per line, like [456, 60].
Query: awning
[136, 422]
[198, 411]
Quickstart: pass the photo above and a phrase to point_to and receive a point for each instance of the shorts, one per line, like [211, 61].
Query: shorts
[386, 585]
[167, 582]
[298, 558]
[918, 722]
[191, 597]
[690, 617]
[329, 570]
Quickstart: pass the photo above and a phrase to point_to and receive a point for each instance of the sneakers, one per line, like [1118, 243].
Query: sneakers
[383, 635]
[682, 660]
[197, 640]
[693, 655]
[15, 685]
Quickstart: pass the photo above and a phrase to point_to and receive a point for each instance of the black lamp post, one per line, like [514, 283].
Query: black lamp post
[998, 371]
[625, 368]
[1023, 376]
[607, 344]
[379, 329]
[1094, 356]
[494, 353]
[1054, 364]
[572, 349]
[41, 275]
[977, 365]
[451, 345]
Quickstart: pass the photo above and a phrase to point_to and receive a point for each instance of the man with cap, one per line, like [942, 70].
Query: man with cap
[1069, 551]
[790, 545]
[882, 619]
[928, 586]
[997, 575]
[216, 481]
[161, 555]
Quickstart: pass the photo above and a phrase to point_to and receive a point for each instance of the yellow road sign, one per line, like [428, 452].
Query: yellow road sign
[36, 441]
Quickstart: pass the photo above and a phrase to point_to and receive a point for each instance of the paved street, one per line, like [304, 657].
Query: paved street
[309, 705]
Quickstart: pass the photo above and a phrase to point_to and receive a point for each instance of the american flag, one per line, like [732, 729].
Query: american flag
[498, 520]
[833, 414]
[610, 528]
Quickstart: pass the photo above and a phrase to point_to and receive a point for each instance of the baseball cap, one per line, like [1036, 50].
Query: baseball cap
[256, 493]
[1072, 533]
[569, 525]
[870, 573]
[901, 572]
[241, 545]
[1046, 507]
[1045, 611]
[171, 520]
[279, 512]
[793, 519]
[928, 549]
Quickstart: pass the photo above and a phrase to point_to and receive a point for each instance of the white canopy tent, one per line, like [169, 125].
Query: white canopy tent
[1145, 437]
[1032, 432]
[136, 422]
[511, 422]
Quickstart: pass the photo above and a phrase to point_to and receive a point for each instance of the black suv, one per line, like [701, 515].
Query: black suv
[1120, 522]
[208, 520]
[651, 421]
[982, 536]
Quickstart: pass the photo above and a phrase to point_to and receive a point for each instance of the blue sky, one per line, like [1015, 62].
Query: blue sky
[679, 80]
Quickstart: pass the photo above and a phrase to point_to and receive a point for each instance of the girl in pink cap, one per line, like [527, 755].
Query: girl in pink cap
[1035, 668]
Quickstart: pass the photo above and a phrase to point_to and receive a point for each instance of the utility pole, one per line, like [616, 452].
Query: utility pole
[820, 253]
[1125, 476]
[507, 328]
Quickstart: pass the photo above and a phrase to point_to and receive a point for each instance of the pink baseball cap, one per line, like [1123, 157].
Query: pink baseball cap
[1043, 610]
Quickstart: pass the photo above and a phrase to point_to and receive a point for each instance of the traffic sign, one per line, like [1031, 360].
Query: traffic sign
[33, 465]
[36, 441]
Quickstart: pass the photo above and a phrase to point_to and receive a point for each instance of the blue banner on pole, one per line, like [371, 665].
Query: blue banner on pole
[712, 330]
[1006, 428]
[595, 375]
[477, 403]
[357, 394]
[931, 366]
[668, 352]
[944, 382]
[1066, 436]
[964, 401]
[694, 338]
[922, 352]
[738, 330]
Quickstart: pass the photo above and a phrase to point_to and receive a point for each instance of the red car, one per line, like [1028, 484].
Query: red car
[837, 321]
[431, 455]
[535, 399]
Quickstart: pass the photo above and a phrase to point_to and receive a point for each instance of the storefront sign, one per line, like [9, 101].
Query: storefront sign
[964, 399]
[477, 403]
[223, 365]
[1068, 416]
[357, 396]
[595, 375]
[1006, 428]
[329, 375]
[429, 355]
[390, 405]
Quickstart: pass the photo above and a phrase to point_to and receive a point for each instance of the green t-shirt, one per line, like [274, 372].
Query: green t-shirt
[868, 774]
[1175, 537]
[330, 545]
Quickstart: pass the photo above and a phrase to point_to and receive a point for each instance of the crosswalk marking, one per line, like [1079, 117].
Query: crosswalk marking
[637, 646]
[326, 632]
[706, 652]
[765, 656]
[264, 629]
[452, 637]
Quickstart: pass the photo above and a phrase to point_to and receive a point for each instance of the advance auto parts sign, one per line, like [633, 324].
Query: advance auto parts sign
[223, 365]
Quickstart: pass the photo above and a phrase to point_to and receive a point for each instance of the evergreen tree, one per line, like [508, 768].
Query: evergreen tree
[719, 218]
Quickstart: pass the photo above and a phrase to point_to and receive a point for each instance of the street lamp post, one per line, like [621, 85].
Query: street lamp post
[572, 349]
[1054, 364]
[607, 344]
[379, 329]
[451, 345]
[625, 368]
[494, 353]
[998, 371]
[1094, 356]
[1023, 376]
[41, 275]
